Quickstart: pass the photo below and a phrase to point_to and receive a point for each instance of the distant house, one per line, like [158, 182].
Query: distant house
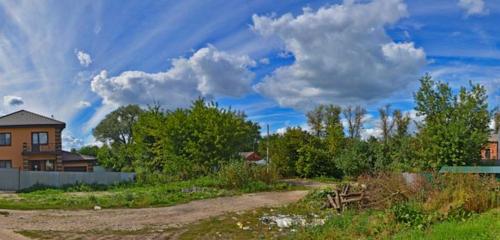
[490, 151]
[253, 157]
[32, 142]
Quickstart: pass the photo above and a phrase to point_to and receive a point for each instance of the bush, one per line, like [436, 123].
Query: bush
[240, 175]
[469, 192]
[411, 214]
[354, 160]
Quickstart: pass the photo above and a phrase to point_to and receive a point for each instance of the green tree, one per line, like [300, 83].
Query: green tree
[316, 120]
[191, 142]
[116, 127]
[396, 148]
[115, 131]
[89, 150]
[335, 139]
[355, 159]
[284, 149]
[455, 126]
[354, 117]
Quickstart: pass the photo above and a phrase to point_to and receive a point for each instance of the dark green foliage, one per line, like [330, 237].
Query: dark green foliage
[115, 130]
[456, 125]
[117, 157]
[89, 150]
[117, 126]
[315, 161]
[284, 149]
[411, 214]
[191, 142]
[355, 158]
[249, 178]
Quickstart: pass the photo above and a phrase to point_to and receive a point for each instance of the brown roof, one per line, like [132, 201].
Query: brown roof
[251, 156]
[72, 156]
[246, 154]
[26, 118]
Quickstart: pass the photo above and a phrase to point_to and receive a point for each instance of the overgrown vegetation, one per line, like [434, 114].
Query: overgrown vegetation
[415, 212]
[234, 179]
[174, 145]
[448, 129]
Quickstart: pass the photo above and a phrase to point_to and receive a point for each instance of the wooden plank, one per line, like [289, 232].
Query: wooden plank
[331, 201]
[352, 200]
[338, 201]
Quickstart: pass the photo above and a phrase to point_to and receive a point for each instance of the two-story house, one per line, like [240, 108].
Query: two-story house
[32, 142]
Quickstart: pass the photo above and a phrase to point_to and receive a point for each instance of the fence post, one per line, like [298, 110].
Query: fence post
[18, 178]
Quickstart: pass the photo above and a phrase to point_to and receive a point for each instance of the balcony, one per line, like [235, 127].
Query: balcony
[50, 148]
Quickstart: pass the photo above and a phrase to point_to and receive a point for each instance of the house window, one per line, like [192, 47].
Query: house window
[40, 138]
[5, 164]
[487, 154]
[5, 139]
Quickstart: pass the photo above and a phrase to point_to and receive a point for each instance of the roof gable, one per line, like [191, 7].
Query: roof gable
[26, 118]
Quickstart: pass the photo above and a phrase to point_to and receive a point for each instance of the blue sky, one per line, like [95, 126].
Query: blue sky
[78, 60]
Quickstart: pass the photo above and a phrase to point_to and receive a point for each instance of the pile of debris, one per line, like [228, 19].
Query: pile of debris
[386, 189]
[339, 200]
[284, 221]
[288, 221]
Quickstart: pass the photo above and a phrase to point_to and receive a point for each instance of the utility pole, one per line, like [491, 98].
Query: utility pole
[267, 148]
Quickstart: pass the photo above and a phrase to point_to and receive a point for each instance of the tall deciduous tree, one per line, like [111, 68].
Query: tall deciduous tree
[354, 117]
[116, 127]
[192, 142]
[335, 138]
[284, 149]
[316, 119]
[455, 126]
[115, 130]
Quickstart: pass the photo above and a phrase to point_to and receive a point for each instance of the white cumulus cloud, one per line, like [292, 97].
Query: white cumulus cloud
[84, 58]
[84, 104]
[473, 7]
[13, 101]
[342, 54]
[71, 142]
[208, 72]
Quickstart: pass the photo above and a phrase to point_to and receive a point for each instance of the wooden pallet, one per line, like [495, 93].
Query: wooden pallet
[339, 199]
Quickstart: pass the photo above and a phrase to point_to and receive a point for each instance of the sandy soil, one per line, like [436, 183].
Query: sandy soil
[136, 219]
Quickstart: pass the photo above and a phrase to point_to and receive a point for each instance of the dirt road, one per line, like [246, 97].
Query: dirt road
[136, 219]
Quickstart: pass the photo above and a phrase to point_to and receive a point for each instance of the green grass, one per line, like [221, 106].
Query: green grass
[484, 226]
[128, 195]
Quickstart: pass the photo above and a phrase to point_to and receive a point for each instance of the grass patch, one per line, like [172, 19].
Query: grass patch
[130, 195]
[483, 226]
[33, 234]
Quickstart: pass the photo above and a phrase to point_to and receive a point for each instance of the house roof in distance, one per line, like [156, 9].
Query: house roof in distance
[76, 157]
[251, 156]
[27, 118]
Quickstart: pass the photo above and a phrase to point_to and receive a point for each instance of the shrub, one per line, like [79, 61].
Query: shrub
[239, 175]
[470, 192]
[411, 214]
[315, 162]
[354, 160]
